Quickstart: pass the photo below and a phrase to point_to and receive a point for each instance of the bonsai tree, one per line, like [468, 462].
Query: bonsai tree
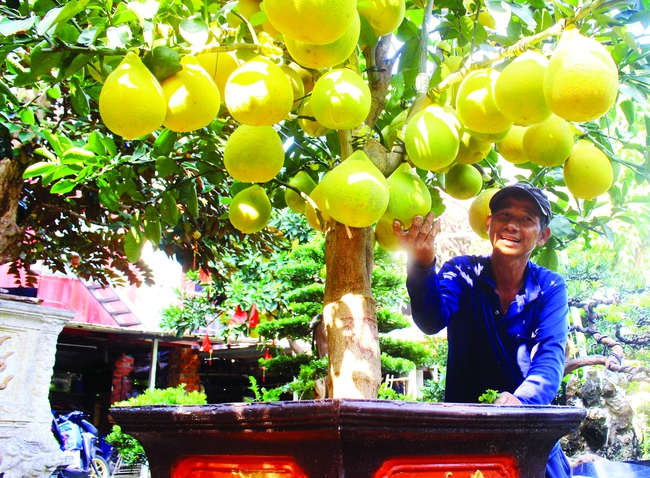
[114, 132]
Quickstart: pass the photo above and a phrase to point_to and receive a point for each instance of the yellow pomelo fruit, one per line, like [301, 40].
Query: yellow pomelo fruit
[312, 21]
[486, 19]
[311, 55]
[297, 86]
[431, 138]
[307, 78]
[475, 103]
[519, 90]
[463, 181]
[511, 148]
[472, 150]
[253, 154]
[479, 211]
[250, 210]
[394, 129]
[489, 137]
[340, 99]
[132, 102]
[258, 93]
[385, 236]
[303, 182]
[310, 213]
[248, 8]
[548, 143]
[453, 63]
[193, 98]
[219, 66]
[310, 127]
[588, 172]
[355, 192]
[409, 196]
[581, 80]
[384, 16]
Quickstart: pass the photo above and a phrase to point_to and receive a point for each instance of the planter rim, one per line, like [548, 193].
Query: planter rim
[358, 413]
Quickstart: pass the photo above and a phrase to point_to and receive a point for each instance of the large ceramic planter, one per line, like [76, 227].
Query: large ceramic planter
[347, 438]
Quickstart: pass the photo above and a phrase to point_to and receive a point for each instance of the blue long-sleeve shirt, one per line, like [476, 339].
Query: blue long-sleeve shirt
[519, 350]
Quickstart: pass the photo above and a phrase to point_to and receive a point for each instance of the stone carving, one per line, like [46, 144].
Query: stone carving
[28, 335]
[608, 429]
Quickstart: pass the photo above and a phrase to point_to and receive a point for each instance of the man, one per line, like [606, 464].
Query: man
[506, 317]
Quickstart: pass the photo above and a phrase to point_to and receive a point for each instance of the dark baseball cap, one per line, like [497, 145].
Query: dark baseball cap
[525, 190]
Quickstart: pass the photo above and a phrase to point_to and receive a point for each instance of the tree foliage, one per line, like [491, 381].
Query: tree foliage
[172, 189]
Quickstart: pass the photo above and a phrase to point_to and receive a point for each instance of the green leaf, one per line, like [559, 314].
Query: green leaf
[78, 98]
[64, 171]
[45, 153]
[188, 198]
[133, 244]
[58, 16]
[95, 144]
[152, 226]
[108, 198]
[78, 62]
[164, 143]
[437, 205]
[195, 31]
[43, 62]
[409, 61]
[89, 36]
[168, 210]
[27, 116]
[165, 166]
[547, 257]
[118, 36]
[5, 90]
[609, 233]
[24, 79]
[489, 396]
[11, 27]
[367, 35]
[560, 227]
[39, 169]
[48, 21]
[63, 187]
[524, 15]
[627, 107]
[76, 155]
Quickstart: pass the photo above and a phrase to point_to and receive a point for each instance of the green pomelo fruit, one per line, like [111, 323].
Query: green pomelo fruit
[385, 236]
[479, 211]
[303, 182]
[431, 138]
[409, 196]
[310, 213]
[355, 193]
[250, 210]
[463, 181]
[472, 150]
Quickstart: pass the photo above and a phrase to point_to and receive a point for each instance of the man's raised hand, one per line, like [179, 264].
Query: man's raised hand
[418, 240]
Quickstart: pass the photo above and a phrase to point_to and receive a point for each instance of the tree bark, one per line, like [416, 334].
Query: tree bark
[11, 185]
[349, 315]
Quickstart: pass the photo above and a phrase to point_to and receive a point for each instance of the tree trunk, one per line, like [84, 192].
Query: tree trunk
[11, 185]
[349, 315]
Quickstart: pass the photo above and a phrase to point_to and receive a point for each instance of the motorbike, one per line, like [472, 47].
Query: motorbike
[78, 440]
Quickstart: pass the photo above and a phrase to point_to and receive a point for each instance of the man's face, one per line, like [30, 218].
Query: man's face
[515, 228]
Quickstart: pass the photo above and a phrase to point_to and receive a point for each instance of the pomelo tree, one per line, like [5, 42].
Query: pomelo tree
[91, 169]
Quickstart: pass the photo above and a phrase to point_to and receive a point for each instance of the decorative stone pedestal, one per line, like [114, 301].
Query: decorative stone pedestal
[347, 438]
[28, 335]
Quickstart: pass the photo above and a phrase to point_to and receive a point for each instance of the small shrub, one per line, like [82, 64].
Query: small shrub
[165, 396]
